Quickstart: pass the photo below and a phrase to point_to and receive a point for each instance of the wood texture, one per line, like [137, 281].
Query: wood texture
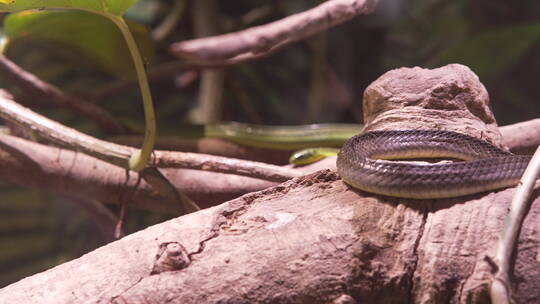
[309, 240]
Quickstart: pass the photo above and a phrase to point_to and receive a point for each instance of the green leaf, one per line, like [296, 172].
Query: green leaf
[93, 35]
[491, 53]
[115, 7]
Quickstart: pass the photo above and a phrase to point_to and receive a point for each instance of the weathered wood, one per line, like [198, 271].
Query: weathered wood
[448, 98]
[309, 240]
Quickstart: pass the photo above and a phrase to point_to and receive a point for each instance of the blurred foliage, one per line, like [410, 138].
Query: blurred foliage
[497, 39]
[117, 7]
[88, 34]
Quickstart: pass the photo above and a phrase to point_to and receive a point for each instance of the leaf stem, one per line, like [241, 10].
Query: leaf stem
[140, 158]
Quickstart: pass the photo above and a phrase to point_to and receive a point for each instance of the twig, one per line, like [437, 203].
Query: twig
[170, 193]
[166, 159]
[168, 24]
[213, 146]
[258, 41]
[127, 197]
[30, 84]
[119, 154]
[500, 290]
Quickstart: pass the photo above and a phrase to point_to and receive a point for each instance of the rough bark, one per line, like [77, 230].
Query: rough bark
[447, 98]
[309, 240]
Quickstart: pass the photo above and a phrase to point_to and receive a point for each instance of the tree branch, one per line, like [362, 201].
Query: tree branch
[34, 86]
[522, 137]
[309, 240]
[119, 155]
[213, 146]
[79, 176]
[258, 41]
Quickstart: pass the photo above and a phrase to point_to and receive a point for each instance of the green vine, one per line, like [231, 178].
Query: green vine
[139, 159]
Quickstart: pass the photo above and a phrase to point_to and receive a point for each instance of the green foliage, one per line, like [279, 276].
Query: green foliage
[113, 11]
[115, 7]
[95, 37]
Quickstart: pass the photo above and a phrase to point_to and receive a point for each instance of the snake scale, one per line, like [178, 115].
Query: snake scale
[365, 162]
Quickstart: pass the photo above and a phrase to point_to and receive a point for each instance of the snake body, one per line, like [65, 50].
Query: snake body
[364, 162]
[284, 137]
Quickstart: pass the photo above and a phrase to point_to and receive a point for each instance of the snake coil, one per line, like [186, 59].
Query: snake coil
[364, 163]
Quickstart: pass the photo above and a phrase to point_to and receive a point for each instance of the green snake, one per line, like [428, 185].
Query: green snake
[364, 163]
[283, 137]
[364, 160]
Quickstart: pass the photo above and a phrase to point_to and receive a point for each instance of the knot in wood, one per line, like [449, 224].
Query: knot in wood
[171, 256]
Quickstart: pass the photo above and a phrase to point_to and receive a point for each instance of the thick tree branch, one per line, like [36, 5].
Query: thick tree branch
[260, 40]
[36, 87]
[522, 137]
[119, 155]
[76, 175]
[309, 240]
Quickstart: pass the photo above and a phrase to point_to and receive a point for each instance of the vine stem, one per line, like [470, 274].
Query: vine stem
[139, 159]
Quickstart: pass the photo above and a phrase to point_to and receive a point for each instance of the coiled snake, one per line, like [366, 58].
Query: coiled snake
[364, 163]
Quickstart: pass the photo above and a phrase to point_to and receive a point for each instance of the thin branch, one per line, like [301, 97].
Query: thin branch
[31, 84]
[260, 40]
[168, 24]
[168, 191]
[501, 286]
[62, 135]
[213, 146]
[166, 159]
[256, 14]
[119, 154]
